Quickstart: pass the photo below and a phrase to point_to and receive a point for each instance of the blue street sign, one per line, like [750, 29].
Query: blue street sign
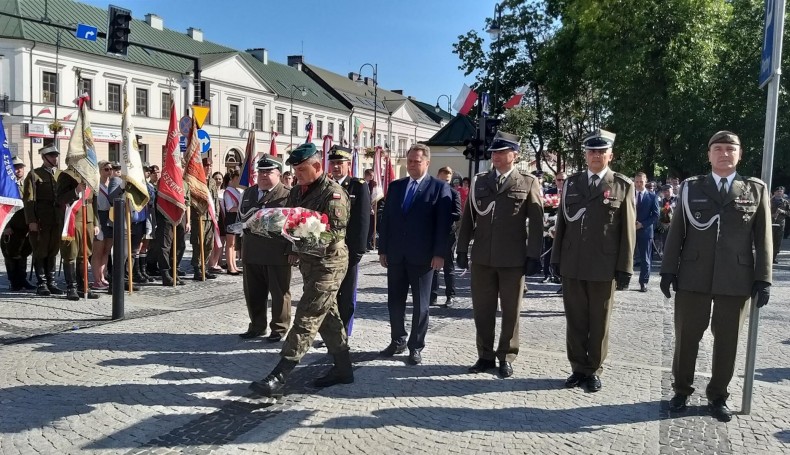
[184, 125]
[86, 32]
[767, 60]
[182, 143]
[205, 141]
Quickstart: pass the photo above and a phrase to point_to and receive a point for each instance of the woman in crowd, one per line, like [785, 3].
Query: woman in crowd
[231, 199]
[216, 253]
[103, 242]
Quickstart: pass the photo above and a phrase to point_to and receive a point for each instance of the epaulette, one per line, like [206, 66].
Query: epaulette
[575, 175]
[756, 180]
[359, 180]
[481, 173]
[624, 178]
[695, 178]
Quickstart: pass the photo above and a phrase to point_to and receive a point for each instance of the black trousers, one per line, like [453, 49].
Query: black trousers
[347, 297]
[164, 232]
[401, 277]
[449, 272]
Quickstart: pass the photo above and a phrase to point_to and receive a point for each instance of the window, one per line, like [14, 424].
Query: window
[364, 139]
[86, 87]
[141, 102]
[281, 123]
[294, 125]
[378, 139]
[234, 115]
[208, 103]
[113, 98]
[143, 152]
[259, 119]
[49, 88]
[331, 129]
[166, 99]
[401, 147]
[319, 128]
[114, 151]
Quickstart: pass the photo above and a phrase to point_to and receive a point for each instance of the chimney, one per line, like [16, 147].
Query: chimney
[195, 33]
[295, 61]
[370, 81]
[154, 21]
[399, 92]
[260, 54]
[353, 76]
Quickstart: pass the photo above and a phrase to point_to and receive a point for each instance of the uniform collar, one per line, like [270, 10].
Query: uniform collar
[599, 174]
[717, 178]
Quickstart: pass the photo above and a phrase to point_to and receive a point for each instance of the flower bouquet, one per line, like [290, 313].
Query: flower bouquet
[551, 201]
[308, 230]
[267, 222]
[549, 225]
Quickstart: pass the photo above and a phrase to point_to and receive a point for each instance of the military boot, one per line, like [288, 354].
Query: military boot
[50, 269]
[41, 278]
[272, 386]
[70, 271]
[341, 373]
[137, 274]
[13, 274]
[143, 259]
[22, 267]
[81, 284]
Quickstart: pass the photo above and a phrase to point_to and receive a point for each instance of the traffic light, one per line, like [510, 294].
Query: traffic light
[118, 22]
[473, 147]
[491, 128]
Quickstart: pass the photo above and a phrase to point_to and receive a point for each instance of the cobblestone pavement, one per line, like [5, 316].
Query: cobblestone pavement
[172, 378]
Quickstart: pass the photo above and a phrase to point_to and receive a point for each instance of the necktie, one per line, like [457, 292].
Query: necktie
[639, 199]
[723, 188]
[500, 181]
[409, 195]
[262, 194]
[593, 181]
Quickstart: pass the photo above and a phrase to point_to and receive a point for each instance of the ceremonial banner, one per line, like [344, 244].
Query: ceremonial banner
[170, 194]
[81, 154]
[358, 127]
[248, 173]
[131, 164]
[194, 174]
[309, 129]
[273, 145]
[10, 199]
[327, 147]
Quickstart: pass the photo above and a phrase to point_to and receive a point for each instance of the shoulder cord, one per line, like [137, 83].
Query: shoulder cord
[488, 209]
[693, 222]
[568, 218]
[244, 215]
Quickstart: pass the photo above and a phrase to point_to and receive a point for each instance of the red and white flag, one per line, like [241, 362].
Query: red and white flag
[309, 129]
[273, 145]
[465, 101]
[170, 195]
[248, 173]
[44, 111]
[515, 100]
[327, 147]
[70, 225]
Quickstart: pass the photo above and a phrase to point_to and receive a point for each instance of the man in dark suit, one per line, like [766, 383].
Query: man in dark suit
[593, 250]
[412, 243]
[718, 250]
[356, 230]
[646, 218]
[446, 174]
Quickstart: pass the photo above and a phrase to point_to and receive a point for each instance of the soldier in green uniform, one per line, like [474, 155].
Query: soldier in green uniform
[500, 205]
[203, 221]
[71, 188]
[266, 269]
[44, 219]
[317, 310]
[780, 210]
[356, 231]
[718, 249]
[593, 250]
[14, 244]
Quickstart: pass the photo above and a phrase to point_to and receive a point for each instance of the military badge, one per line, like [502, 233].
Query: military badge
[335, 195]
[697, 215]
[746, 217]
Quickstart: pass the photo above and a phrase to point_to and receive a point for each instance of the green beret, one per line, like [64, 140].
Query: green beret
[724, 137]
[339, 153]
[301, 153]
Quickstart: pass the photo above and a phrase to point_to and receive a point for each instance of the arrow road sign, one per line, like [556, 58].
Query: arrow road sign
[205, 141]
[86, 32]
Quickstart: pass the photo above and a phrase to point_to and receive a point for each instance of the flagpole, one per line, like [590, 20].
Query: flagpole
[129, 243]
[175, 255]
[202, 250]
[84, 247]
[375, 219]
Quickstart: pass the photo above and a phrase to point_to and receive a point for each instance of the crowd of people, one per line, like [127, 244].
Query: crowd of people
[716, 235]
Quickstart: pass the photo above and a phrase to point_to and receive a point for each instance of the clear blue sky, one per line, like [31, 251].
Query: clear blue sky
[411, 40]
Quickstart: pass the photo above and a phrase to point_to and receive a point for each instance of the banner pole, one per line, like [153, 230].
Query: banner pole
[129, 244]
[202, 250]
[175, 255]
[85, 248]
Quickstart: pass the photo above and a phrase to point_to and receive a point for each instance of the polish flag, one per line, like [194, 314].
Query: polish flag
[44, 111]
[516, 99]
[465, 100]
[273, 145]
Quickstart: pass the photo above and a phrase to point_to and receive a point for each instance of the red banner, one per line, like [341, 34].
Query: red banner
[170, 195]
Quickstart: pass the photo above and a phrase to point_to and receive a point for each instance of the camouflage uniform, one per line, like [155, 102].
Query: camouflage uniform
[317, 309]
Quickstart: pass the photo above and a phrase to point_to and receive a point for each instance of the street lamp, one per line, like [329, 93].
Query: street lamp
[304, 93]
[449, 102]
[495, 31]
[375, 68]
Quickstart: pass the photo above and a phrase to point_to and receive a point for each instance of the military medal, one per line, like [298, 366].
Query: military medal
[746, 217]
[606, 197]
[697, 215]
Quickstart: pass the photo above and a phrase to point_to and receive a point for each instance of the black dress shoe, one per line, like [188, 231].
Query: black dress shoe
[393, 348]
[678, 402]
[433, 302]
[271, 386]
[274, 337]
[415, 357]
[505, 369]
[642, 287]
[181, 272]
[593, 383]
[482, 365]
[545, 279]
[718, 409]
[574, 380]
[450, 302]
[251, 334]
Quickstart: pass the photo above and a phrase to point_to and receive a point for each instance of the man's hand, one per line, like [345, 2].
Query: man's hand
[622, 279]
[532, 266]
[462, 260]
[354, 259]
[383, 260]
[668, 279]
[33, 227]
[437, 263]
[761, 292]
[81, 187]
[187, 228]
[638, 225]
[96, 230]
[293, 259]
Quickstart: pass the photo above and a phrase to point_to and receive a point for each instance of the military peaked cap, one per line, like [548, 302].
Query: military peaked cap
[599, 140]
[339, 153]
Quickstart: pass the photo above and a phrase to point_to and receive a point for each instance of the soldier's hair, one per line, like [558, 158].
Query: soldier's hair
[287, 174]
[369, 172]
[426, 151]
[314, 159]
[641, 174]
[445, 170]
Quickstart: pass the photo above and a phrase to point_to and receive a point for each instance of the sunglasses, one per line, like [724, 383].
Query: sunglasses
[108, 169]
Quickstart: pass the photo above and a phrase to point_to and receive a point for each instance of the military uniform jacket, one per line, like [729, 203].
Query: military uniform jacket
[359, 219]
[595, 234]
[497, 220]
[720, 247]
[67, 194]
[261, 250]
[40, 198]
[780, 209]
[324, 196]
